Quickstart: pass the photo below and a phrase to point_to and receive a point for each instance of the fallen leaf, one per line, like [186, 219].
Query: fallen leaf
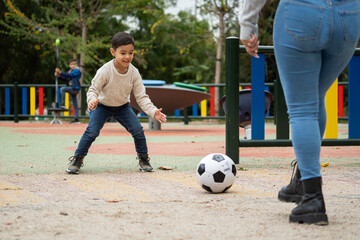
[325, 164]
[165, 168]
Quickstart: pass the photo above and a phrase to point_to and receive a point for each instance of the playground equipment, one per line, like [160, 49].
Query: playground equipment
[56, 109]
[169, 98]
[33, 100]
[56, 113]
[281, 119]
[245, 108]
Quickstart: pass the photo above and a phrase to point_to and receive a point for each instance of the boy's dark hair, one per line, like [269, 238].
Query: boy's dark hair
[121, 39]
[73, 60]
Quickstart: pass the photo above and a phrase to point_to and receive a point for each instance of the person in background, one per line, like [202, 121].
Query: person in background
[72, 77]
[313, 41]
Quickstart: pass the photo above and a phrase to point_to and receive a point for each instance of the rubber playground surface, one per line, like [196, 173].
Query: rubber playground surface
[111, 199]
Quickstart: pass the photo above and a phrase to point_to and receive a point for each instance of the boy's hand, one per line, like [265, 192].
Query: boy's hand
[252, 45]
[93, 104]
[159, 116]
[57, 72]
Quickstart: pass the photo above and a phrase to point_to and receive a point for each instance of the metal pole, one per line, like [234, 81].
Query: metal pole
[57, 43]
[16, 103]
[186, 115]
[232, 98]
[56, 78]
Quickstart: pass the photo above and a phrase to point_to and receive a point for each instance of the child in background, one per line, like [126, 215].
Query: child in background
[109, 96]
[72, 76]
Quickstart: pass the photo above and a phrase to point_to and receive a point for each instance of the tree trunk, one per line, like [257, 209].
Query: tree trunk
[219, 61]
[82, 53]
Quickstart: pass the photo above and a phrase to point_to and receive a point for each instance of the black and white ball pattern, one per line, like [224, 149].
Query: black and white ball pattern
[216, 172]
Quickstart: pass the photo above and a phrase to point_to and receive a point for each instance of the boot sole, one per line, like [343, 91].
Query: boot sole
[72, 172]
[311, 218]
[289, 198]
[146, 170]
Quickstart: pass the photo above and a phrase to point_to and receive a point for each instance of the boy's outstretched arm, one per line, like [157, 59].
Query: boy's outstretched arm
[93, 104]
[159, 116]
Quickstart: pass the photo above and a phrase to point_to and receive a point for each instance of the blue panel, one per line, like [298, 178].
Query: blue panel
[24, 100]
[258, 97]
[153, 82]
[354, 97]
[177, 113]
[7, 101]
[195, 110]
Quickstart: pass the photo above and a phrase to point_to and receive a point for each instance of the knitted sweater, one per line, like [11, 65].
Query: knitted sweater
[248, 17]
[113, 88]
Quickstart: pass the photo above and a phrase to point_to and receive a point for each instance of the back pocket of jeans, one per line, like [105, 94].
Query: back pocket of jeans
[303, 20]
[350, 20]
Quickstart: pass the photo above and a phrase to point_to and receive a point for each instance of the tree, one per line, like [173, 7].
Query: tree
[182, 49]
[225, 12]
[67, 20]
[168, 47]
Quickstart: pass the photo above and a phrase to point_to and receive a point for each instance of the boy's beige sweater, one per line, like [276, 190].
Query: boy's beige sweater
[113, 88]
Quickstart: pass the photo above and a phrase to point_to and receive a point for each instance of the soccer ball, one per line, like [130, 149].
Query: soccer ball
[216, 172]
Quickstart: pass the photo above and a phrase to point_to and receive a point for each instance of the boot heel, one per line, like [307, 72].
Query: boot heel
[311, 218]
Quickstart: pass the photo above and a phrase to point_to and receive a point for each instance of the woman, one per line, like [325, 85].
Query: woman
[313, 42]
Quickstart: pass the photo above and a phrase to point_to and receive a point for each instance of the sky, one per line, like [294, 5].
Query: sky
[182, 5]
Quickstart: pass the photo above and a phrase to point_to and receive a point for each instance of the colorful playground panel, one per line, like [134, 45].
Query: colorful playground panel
[153, 82]
[190, 86]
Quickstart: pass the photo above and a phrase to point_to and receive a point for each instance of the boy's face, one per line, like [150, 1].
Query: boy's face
[124, 55]
[73, 65]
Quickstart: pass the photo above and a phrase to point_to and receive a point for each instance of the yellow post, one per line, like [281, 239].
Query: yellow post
[32, 101]
[203, 107]
[331, 103]
[66, 103]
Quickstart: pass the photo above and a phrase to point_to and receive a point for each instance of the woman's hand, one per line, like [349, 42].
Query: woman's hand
[252, 45]
[159, 116]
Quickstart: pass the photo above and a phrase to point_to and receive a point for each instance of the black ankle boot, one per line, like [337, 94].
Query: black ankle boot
[312, 206]
[294, 191]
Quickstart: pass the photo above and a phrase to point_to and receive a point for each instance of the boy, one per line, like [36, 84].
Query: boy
[109, 95]
[72, 76]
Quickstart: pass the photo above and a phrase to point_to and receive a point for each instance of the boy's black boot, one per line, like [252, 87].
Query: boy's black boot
[144, 162]
[294, 191]
[311, 209]
[76, 162]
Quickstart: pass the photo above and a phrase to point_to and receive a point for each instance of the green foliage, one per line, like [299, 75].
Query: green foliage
[177, 47]
[172, 48]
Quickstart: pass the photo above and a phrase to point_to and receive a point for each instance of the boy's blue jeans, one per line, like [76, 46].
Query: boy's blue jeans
[314, 40]
[124, 115]
[73, 93]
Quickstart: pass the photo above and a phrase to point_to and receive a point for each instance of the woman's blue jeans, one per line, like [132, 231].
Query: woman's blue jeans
[124, 115]
[73, 93]
[314, 40]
